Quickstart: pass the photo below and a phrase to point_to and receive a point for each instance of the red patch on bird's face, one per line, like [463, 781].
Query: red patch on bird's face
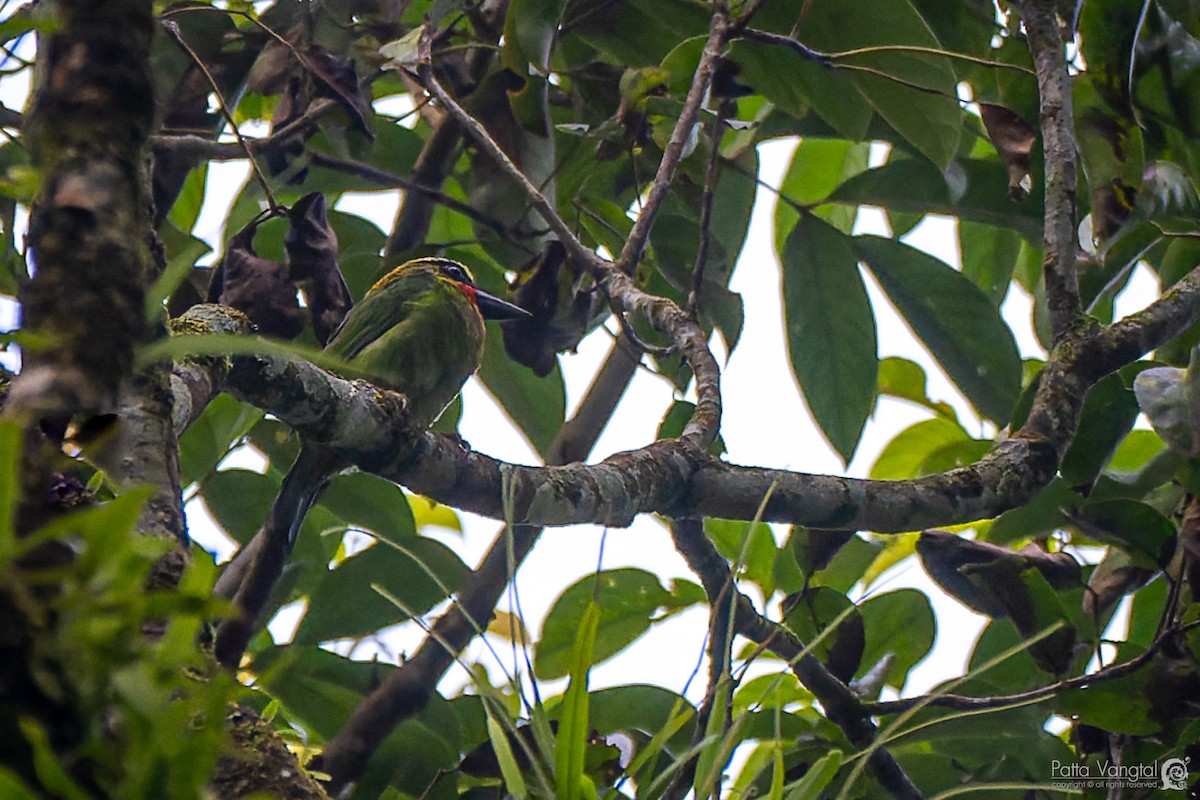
[468, 290]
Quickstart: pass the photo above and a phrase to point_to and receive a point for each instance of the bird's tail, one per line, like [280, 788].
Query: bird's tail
[251, 576]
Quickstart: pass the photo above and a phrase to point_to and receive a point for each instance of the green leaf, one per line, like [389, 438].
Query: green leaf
[818, 167]
[239, 500]
[209, 439]
[819, 776]
[1039, 516]
[831, 331]
[646, 708]
[901, 623]
[414, 578]
[797, 84]
[186, 211]
[954, 319]
[571, 739]
[906, 455]
[628, 599]
[905, 379]
[916, 186]
[928, 117]
[367, 501]
[529, 30]
[1108, 415]
[1126, 712]
[315, 686]
[538, 406]
[988, 255]
[10, 484]
[750, 545]
[513, 780]
[826, 620]
[1138, 528]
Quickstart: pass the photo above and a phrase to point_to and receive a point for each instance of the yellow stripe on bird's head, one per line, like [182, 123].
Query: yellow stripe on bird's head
[489, 306]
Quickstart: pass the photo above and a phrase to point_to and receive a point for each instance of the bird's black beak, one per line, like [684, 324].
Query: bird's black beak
[492, 307]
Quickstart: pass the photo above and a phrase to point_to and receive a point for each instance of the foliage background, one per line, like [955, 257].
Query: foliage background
[942, 159]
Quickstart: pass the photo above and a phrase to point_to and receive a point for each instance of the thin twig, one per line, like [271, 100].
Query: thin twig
[933, 51]
[582, 256]
[789, 42]
[706, 208]
[673, 152]
[173, 30]
[968, 703]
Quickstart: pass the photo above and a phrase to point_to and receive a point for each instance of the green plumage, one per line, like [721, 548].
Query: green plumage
[418, 331]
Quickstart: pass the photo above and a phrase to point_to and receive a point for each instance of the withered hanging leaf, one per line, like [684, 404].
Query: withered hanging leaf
[1014, 139]
[338, 79]
[258, 287]
[1114, 577]
[563, 312]
[286, 154]
[953, 563]
[312, 250]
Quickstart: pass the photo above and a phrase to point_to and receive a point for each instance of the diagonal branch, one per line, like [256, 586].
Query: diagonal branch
[581, 255]
[635, 243]
[841, 705]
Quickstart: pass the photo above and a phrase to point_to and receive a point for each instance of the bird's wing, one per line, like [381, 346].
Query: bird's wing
[371, 318]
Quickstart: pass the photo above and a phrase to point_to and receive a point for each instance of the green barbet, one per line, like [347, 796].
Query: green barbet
[419, 331]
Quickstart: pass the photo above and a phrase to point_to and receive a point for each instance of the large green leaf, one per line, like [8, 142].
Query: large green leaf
[208, 440]
[628, 600]
[954, 319]
[818, 166]
[900, 624]
[830, 331]
[417, 575]
[979, 192]
[908, 453]
[797, 84]
[928, 117]
[368, 501]
[1108, 415]
[749, 545]
[988, 255]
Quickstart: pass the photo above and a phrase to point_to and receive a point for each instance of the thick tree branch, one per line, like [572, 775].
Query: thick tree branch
[677, 479]
[87, 132]
[841, 705]
[1058, 141]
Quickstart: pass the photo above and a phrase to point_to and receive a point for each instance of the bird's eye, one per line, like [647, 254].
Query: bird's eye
[455, 272]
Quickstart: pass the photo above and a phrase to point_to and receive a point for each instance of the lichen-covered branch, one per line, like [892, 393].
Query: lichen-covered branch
[677, 478]
[1042, 28]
